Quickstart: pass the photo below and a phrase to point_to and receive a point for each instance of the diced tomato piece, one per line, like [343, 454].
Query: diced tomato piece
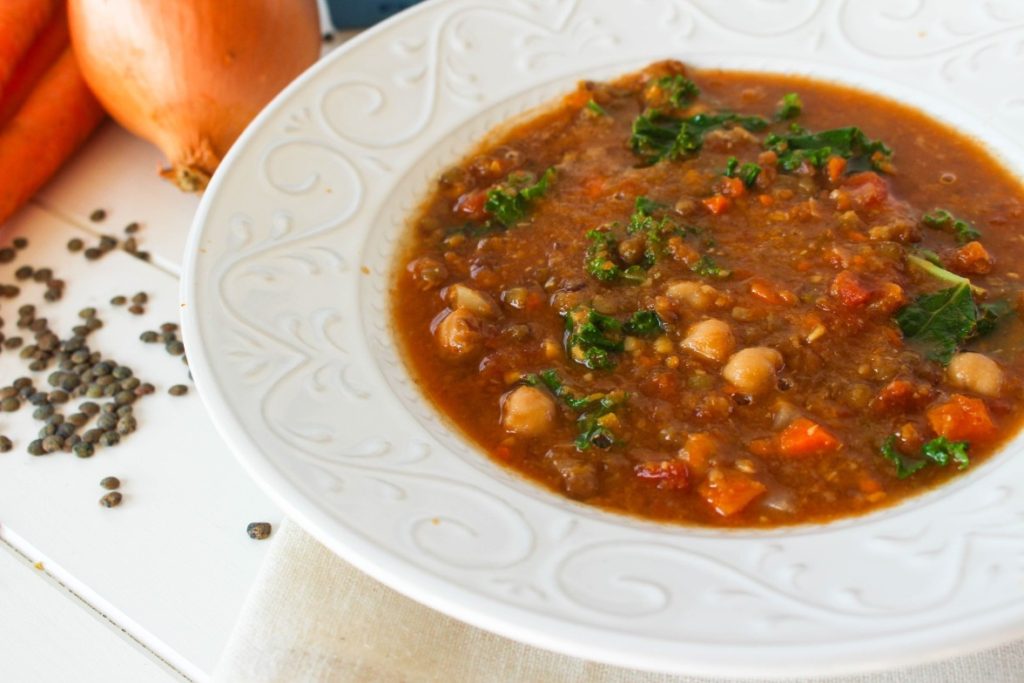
[835, 167]
[866, 190]
[733, 187]
[962, 418]
[896, 395]
[716, 204]
[669, 474]
[805, 437]
[471, 205]
[972, 259]
[729, 491]
[850, 291]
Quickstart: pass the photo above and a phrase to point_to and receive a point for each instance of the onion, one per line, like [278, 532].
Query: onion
[189, 75]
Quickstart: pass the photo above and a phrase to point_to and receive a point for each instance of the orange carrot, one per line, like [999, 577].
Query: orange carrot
[716, 204]
[835, 167]
[805, 437]
[962, 419]
[20, 24]
[729, 491]
[46, 49]
[55, 119]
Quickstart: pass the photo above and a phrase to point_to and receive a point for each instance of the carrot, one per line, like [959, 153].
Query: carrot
[729, 491]
[805, 437]
[716, 204]
[733, 187]
[766, 291]
[56, 118]
[699, 448]
[962, 419]
[46, 49]
[20, 24]
[835, 167]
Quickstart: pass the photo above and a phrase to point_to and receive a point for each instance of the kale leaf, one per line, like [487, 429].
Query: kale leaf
[600, 256]
[679, 90]
[815, 148]
[941, 322]
[707, 267]
[592, 337]
[509, 202]
[657, 136]
[596, 109]
[593, 431]
[790, 107]
[940, 219]
[748, 172]
[905, 466]
[643, 323]
[939, 451]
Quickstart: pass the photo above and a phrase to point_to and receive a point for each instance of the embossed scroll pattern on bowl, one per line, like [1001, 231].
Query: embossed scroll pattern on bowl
[286, 321]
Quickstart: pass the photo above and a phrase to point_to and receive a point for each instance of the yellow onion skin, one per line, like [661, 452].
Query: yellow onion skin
[189, 75]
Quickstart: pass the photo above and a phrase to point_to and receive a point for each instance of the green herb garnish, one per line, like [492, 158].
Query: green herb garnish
[596, 108]
[748, 172]
[905, 466]
[790, 107]
[941, 322]
[679, 90]
[509, 202]
[707, 267]
[600, 256]
[730, 167]
[657, 136]
[815, 148]
[940, 219]
[592, 337]
[939, 451]
[643, 323]
[590, 408]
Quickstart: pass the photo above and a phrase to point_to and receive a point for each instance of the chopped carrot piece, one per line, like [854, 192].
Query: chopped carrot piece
[765, 199]
[729, 491]
[765, 291]
[669, 474]
[848, 288]
[962, 418]
[717, 204]
[835, 167]
[805, 437]
[733, 187]
[698, 450]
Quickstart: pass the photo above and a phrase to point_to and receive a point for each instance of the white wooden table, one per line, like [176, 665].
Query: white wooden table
[149, 590]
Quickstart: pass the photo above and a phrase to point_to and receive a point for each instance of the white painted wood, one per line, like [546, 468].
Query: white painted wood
[172, 564]
[118, 172]
[48, 635]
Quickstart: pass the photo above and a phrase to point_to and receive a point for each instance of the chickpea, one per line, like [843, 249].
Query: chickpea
[695, 294]
[527, 411]
[459, 332]
[752, 370]
[711, 339]
[975, 372]
[461, 296]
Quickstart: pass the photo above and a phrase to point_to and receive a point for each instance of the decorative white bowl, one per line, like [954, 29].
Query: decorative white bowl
[286, 322]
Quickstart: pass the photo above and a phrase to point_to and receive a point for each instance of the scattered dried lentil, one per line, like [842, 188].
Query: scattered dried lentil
[111, 500]
[258, 530]
[178, 390]
[97, 215]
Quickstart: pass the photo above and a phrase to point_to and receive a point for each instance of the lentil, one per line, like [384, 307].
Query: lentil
[258, 530]
[111, 500]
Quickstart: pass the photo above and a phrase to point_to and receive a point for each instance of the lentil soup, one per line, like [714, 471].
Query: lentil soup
[722, 298]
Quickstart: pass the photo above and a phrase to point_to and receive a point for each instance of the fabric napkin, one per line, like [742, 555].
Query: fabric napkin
[313, 617]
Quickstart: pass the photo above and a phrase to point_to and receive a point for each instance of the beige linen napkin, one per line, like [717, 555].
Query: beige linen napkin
[313, 617]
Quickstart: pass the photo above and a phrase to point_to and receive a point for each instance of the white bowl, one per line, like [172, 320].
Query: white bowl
[286, 322]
